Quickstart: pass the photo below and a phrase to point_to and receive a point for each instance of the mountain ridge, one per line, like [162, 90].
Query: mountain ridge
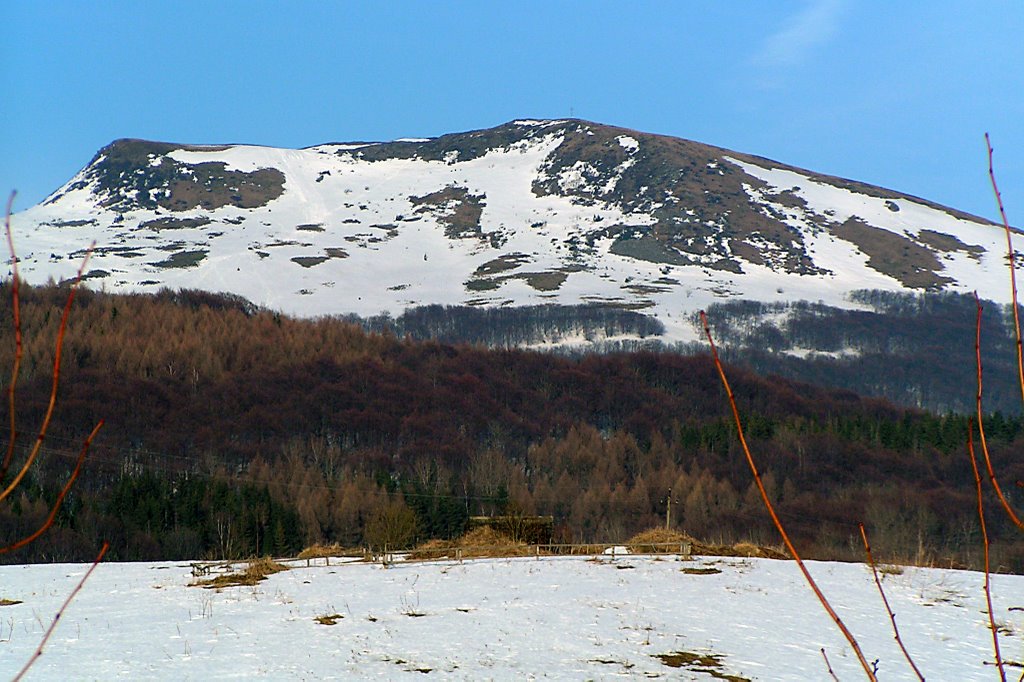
[530, 212]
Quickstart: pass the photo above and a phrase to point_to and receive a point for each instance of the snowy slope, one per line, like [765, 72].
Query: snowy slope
[530, 212]
[504, 619]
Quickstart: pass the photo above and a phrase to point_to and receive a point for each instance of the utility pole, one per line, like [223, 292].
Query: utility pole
[668, 510]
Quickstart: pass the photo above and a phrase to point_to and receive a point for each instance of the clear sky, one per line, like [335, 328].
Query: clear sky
[897, 94]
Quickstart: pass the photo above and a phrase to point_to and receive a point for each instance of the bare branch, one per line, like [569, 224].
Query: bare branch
[41, 434]
[981, 424]
[1012, 263]
[58, 348]
[892, 616]
[60, 498]
[771, 509]
[60, 612]
[18, 349]
[984, 537]
[828, 665]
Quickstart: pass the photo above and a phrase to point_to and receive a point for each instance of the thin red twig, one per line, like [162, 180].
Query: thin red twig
[828, 665]
[60, 498]
[41, 434]
[984, 537]
[1012, 264]
[771, 509]
[981, 423]
[39, 650]
[16, 311]
[888, 609]
[58, 349]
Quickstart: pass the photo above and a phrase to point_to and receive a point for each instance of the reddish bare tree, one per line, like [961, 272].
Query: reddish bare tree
[40, 435]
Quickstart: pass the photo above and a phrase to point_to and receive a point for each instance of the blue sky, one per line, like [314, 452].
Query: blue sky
[892, 93]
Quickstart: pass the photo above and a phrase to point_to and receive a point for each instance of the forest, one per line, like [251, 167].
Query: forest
[513, 327]
[913, 349]
[233, 431]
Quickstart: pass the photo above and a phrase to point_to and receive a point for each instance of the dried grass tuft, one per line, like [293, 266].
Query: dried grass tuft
[432, 550]
[660, 541]
[255, 571]
[664, 541]
[749, 549]
[487, 542]
[319, 551]
[478, 543]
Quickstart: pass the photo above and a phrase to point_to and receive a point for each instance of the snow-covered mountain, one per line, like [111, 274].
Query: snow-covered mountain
[526, 213]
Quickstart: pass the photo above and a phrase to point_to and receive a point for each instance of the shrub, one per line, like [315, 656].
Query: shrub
[392, 527]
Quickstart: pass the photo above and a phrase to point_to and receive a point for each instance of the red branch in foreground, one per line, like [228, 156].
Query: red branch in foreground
[771, 509]
[39, 649]
[60, 498]
[981, 424]
[16, 307]
[58, 348]
[892, 616]
[984, 538]
[1012, 263]
[41, 433]
[18, 349]
[828, 665]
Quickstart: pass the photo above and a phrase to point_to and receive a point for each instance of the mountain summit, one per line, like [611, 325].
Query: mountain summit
[529, 212]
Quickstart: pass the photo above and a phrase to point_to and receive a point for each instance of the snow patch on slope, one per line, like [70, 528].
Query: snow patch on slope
[984, 250]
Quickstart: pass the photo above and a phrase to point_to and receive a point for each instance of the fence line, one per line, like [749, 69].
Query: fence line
[386, 557]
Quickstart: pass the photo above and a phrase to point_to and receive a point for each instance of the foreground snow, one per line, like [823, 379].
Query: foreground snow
[503, 619]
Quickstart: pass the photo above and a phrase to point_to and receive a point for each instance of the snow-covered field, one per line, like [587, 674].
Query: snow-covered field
[504, 619]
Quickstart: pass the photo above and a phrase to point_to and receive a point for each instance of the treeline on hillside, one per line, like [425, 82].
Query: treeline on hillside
[916, 350]
[515, 326]
[232, 431]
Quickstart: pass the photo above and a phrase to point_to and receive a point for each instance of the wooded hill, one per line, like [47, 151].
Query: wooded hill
[232, 431]
[914, 349]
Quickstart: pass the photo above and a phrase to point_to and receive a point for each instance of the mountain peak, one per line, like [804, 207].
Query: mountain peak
[561, 211]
